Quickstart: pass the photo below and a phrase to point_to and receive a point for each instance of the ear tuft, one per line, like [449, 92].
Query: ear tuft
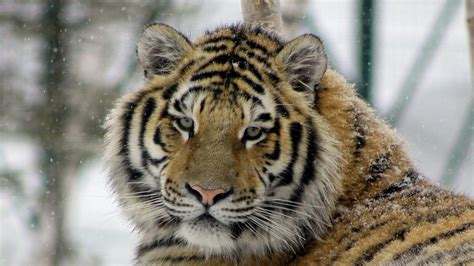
[304, 62]
[160, 49]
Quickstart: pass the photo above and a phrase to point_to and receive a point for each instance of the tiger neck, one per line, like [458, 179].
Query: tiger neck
[374, 157]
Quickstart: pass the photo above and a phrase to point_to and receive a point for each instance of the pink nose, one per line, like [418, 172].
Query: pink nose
[208, 196]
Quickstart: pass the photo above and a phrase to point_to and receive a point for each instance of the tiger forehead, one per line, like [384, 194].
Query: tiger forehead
[226, 105]
[254, 39]
[237, 53]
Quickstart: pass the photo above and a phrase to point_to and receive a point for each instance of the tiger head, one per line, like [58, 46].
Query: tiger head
[222, 149]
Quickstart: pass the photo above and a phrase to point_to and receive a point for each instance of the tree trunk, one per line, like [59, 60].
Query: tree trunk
[53, 246]
[293, 13]
[366, 49]
[263, 13]
[470, 29]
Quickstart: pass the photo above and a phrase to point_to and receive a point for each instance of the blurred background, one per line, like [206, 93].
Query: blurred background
[64, 62]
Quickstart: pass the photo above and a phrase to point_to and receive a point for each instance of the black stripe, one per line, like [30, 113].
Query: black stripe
[221, 59]
[177, 106]
[246, 65]
[309, 167]
[370, 254]
[217, 48]
[411, 176]
[148, 109]
[253, 45]
[271, 178]
[178, 259]
[275, 154]
[216, 84]
[273, 77]
[187, 66]
[264, 61]
[432, 218]
[226, 75]
[168, 92]
[157, 139]
[218, 39]
[465, 249]
[210, 74]
[264, 117]
[255, 100]
[126, 119]
[241, 62]
[192, 90]
[256, 87]
[281, 109]
[417, 248]
[252, 54]
[360, 132]
[286, 176]
[164, 112]
[157, 162]
[201, 108]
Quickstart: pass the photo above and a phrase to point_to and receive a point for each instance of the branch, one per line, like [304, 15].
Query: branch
[263, 13]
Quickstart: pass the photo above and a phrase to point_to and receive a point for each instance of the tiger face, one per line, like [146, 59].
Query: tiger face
[222, 150]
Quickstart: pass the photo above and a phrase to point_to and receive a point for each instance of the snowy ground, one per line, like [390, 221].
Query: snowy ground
[430, 126]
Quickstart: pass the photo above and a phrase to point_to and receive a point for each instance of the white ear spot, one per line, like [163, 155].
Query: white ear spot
[160, 49]
[304, 62]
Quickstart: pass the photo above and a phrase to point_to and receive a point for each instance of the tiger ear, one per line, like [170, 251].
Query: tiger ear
[160, 49]
[304, 62]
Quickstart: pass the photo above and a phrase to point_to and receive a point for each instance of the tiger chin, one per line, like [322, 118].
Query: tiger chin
[243, 148]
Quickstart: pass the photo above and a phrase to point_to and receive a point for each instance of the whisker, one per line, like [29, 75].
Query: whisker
[266, 211]
[293, 203]
[279, 233]
[287, 209]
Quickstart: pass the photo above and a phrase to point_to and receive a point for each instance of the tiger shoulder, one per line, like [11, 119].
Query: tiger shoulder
[244, 148]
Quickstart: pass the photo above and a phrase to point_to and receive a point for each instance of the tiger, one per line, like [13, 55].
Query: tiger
[242, 148]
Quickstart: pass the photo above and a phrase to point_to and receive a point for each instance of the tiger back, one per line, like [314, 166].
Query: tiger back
[244, 148]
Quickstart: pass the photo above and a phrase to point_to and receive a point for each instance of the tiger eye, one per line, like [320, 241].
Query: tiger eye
[186, 123]
[252, 133]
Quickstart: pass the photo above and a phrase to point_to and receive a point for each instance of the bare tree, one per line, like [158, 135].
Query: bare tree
[265, 13]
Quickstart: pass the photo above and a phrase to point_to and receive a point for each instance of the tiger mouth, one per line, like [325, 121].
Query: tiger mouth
[207, 220]
[206, 217]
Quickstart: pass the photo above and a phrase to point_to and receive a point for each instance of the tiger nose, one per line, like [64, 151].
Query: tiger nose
[208, 196]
